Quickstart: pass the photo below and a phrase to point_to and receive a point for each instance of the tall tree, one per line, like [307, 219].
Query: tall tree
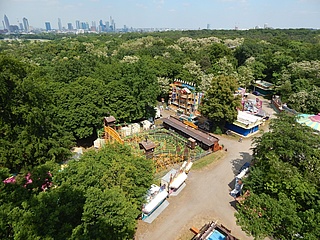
[29, 132]
[80, 105]
[107, 214]
[98, 197]
[284, 183]
[220, 104]
[114, 182]
[130, 97]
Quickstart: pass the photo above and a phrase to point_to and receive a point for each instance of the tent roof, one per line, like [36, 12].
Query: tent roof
[312, 121]
[247, 118]
[315, 118]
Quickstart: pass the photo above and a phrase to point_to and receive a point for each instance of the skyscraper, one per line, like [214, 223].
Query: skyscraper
[25, 24]
[112, 25]
[93, 26]
[59, 24]
[102, 27]
[70, 27]
[48, 26]
[84, 25]
[77, 24]
[6, 22]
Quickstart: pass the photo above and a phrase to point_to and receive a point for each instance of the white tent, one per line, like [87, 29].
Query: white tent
[146, 124]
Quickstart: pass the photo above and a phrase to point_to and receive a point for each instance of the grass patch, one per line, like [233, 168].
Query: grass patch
[207, 160]
[197, 165]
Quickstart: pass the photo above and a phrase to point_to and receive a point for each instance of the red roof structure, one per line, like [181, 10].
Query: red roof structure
[147, 145]
[109, 120]
[204, 140]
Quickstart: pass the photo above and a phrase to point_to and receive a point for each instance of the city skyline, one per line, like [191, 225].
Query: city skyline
[180, 14]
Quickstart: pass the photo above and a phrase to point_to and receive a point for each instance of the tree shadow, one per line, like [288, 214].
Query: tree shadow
[87, 142]
[237, 164]
[233, 204]
[232, 184]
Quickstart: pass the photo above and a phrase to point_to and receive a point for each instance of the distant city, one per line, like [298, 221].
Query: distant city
[79, 27]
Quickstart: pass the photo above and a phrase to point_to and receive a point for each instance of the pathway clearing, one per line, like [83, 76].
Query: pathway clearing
[205, 198]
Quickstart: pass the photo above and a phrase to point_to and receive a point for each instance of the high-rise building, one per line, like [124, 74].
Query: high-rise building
[7, 24]
[112, 25]
[102, 27]
[78, 24]
[21, 26]
[70, 27]
[59, 24]
[93, 27]
[48, 26]
[14, 28]
[26, 24]
[83, 25]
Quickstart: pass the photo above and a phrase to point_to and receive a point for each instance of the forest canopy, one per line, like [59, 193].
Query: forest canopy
[283, 183]
[120, 72]
[55, 90]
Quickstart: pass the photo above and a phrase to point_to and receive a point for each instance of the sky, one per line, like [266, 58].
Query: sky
[173, 14]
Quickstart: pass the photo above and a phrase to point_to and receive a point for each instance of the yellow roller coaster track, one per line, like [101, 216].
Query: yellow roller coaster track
[190, 124]
[110, 133]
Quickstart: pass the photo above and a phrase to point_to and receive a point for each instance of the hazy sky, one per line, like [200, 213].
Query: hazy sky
[187, 14]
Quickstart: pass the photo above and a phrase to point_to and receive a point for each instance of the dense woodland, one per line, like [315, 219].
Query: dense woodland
[56, 89]
[284, 182]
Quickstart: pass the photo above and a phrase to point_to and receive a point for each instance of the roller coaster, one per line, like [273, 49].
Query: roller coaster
[110, 134]
[170, 147]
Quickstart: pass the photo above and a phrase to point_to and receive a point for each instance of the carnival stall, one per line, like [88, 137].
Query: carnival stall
[213, 231]
[155, 197]
[174, 180]
[177, 181]
[236, 192]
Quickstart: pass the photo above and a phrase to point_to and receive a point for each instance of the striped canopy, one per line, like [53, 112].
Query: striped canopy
[312, 121]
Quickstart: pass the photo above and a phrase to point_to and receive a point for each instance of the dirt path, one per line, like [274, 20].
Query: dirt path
[206, 196]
